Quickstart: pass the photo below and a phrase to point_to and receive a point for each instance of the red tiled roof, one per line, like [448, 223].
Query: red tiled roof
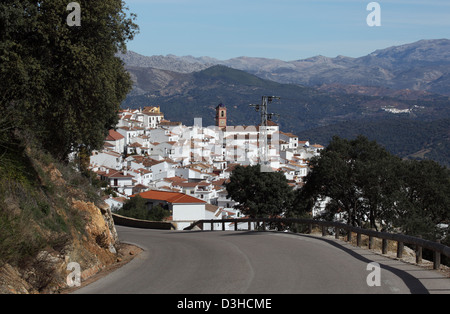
[170, 197]
[114, 136]
[175, 179]
[187, 184]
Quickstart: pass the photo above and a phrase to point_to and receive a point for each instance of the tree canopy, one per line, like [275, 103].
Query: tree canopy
[426, 199]
[370, 187]
[259, 194]
[136, 207]
[64, 83]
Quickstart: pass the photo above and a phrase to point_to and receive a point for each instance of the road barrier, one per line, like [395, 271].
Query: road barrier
[144, 224]
[285, 223]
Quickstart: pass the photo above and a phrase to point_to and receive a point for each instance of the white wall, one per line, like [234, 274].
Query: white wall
[108, 160]
[185, 214]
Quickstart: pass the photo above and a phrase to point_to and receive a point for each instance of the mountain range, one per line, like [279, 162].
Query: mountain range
[399, 88]
[419, 66]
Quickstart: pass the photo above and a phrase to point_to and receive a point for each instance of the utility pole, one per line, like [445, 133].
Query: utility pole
[263, 141]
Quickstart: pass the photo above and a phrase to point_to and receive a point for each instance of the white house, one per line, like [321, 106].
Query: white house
[152, 116]
[115, 203]
[191, 173]
[141, 176]
[202, 190]
[106, 159]
[165, 149]
[162, 168]
[290, 139]
[162, 135]
[121, 181]
[185, 209]
[223, 201]
[128, 133]
[117, 140]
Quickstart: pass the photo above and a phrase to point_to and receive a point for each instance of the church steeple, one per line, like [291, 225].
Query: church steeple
[221, 116]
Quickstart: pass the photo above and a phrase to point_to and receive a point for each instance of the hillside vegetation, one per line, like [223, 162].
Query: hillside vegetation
[61, 90]
[404, 137]
[50, 215]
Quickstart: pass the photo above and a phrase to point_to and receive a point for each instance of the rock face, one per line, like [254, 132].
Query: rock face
[11, 281]
[97, 246]
[93, 249]
[87, 237]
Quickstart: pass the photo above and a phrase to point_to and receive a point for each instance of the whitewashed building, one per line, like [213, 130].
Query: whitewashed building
[185, 209]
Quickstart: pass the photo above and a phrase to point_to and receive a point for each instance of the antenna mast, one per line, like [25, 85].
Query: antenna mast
[263, 142]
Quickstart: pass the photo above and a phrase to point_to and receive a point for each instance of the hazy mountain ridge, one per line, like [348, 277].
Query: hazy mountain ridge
[170, 62]
[419, 66]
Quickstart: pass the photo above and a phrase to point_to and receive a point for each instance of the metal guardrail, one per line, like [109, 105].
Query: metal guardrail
[144, 224]
[436, 247]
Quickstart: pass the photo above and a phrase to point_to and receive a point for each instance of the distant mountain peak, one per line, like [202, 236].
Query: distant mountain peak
[421, 66]
[169, 62]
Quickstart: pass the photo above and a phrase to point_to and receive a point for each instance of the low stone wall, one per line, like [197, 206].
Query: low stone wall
[144, 224]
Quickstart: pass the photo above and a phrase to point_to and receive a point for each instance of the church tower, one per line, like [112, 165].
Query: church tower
[221, 116]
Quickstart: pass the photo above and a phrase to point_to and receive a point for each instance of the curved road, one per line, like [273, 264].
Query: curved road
[192, 262]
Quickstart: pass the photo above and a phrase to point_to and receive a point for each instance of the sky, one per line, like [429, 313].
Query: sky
[282, 29]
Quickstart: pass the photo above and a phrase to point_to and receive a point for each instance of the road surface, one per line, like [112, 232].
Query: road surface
[228, 262]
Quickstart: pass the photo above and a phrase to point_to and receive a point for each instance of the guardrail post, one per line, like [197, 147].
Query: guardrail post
[384, 244]
[418, 253]
[324, 231]
[370, 242]
[358, 239]
[349, 235]
[223, 225]
[235, 225]
[310, 228]
[249, 225]
[437, 258]
[336, 232]
[212, 225]
[400, 249]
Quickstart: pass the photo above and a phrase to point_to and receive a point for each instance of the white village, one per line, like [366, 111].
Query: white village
[185, 168]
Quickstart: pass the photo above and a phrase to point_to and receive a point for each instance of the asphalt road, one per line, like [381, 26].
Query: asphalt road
[194, 262]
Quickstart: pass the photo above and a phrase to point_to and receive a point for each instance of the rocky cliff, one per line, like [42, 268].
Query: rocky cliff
[53, 218]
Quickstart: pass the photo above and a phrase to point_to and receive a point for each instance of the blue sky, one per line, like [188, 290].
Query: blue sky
[282, 29]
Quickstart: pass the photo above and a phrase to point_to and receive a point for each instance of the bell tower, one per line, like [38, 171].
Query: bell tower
[221, 116]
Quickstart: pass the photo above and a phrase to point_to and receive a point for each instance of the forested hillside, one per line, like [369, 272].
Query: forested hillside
[403, 137]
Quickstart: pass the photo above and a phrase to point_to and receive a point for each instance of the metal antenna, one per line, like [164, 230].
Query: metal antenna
[265, 116]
